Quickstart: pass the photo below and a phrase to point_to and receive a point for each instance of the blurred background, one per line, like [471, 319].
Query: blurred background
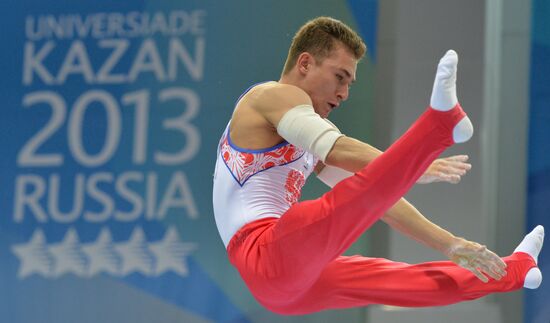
[112, 111]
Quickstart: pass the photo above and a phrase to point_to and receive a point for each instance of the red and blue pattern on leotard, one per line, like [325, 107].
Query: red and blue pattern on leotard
[245, 164]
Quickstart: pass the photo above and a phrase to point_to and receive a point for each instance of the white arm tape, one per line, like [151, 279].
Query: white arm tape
[304, 128]
[331, 175]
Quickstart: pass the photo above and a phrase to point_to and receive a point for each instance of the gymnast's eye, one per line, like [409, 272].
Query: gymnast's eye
[339, 77]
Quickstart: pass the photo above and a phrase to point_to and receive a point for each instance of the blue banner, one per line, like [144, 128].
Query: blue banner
[110, 118]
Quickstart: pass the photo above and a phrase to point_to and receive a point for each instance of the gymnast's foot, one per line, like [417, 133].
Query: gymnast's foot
[444, 95]
[531, 245]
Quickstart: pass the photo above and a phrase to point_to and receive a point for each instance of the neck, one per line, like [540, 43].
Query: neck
[289, 78]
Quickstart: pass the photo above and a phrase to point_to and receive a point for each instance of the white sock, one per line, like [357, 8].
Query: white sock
[531, 245]
[444, 94]
[444, 90]
[533, 279]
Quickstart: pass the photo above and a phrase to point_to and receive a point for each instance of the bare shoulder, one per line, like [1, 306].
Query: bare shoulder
[274, 99]
[258, 112]
[283, 95]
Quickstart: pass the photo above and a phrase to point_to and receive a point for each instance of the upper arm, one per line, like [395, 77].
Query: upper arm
[273, 101]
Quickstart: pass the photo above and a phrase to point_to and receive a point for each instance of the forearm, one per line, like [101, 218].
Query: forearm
[405, 218]
[351, 154]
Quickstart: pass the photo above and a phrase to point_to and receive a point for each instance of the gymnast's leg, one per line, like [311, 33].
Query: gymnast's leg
[359, 281]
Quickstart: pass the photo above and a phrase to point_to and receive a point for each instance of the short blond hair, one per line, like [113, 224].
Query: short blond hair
[319, 36]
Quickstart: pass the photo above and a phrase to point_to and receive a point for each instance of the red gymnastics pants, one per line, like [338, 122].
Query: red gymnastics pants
[293, 264]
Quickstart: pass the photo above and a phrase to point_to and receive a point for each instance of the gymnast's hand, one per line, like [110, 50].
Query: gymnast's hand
[481, 261]
[448, 170]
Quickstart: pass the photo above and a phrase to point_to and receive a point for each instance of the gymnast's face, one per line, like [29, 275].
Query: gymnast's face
[327, 82]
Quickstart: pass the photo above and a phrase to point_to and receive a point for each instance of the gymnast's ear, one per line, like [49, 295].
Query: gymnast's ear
[304, 62]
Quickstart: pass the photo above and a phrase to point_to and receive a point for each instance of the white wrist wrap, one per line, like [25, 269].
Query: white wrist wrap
[304, 128]
[331, 175]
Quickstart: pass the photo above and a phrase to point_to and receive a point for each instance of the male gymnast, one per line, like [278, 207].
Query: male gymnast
[289, 253]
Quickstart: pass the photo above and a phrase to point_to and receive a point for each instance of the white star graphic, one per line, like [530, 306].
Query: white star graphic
[171, 252]
[34, 256]
[136, 257]
[102, 255]
[68, 256]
